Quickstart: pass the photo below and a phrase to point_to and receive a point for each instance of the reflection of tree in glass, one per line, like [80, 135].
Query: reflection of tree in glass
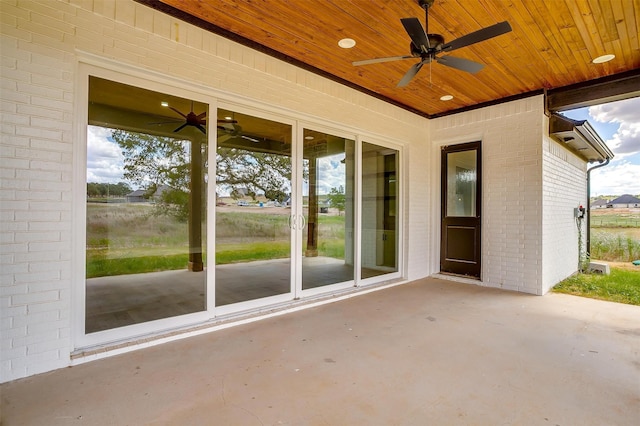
[336, 198]
[95, 189]
[158, 162]
[255, 172]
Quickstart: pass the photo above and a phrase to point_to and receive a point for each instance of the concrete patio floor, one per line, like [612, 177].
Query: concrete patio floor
[431, 352]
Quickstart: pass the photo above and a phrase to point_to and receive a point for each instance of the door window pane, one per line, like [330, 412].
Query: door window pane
[253, 208]
[379, 210]
[461, 183]
[146, 206]
[328, 245]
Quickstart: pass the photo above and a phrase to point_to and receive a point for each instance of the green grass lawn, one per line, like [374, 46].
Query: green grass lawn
[622, 285]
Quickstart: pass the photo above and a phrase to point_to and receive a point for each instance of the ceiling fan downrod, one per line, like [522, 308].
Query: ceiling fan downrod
[426, 4]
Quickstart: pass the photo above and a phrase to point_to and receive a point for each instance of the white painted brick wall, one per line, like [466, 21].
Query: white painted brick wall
[40, 46]
[564, 188]
[511, 136]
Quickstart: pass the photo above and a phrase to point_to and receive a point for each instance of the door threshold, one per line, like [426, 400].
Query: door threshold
[456, 277]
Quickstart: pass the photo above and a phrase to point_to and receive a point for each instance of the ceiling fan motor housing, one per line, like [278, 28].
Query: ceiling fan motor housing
[435, 41]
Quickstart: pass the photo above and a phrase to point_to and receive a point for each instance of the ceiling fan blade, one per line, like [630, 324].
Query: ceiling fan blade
[175, 110]
[378, 60]
[413, 27]
[460, 64]
[202, 115]
[250, 139]
[477, 36]
[410, 74]
[181, 127]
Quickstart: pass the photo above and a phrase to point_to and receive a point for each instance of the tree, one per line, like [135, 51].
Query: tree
[254, 173]
[95, 189]
[336, 198]
[156, 161]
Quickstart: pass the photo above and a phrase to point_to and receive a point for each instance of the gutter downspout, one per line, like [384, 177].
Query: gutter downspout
[589, 203]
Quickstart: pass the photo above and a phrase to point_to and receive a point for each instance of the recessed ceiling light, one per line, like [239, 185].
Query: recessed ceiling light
[603, 58]
[164, 104]
[446, 98]
[347, 43]
[309, 138]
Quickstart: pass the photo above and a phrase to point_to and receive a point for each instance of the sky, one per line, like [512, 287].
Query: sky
[618, 124]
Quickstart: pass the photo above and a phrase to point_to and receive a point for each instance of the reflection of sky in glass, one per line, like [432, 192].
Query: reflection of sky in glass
[331, 174]
[105, 163]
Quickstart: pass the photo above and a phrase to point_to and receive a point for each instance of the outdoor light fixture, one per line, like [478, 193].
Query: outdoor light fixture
[347, 43]
[446, 97]
[602, 59]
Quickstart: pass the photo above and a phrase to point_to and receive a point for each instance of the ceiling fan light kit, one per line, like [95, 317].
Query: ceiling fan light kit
[427, 46]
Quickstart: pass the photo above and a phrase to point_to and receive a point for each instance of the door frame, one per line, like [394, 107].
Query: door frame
[461, 267]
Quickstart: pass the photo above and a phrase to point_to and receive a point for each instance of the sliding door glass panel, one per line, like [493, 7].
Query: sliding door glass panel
[146, 206]
[328, 189]
[253, 208]
[379, 210]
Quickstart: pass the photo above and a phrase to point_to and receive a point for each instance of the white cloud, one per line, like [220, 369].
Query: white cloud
[617, 178]
[105, 162]
[626, 140]
[331, 173]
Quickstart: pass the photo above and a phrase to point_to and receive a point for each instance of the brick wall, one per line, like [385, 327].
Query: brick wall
[511, 136]
[42, 43]
[564, 188]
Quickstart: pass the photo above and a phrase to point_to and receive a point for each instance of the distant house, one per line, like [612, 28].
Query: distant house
[600, 203]
[625, 201]
[157, 196]
[137, 196]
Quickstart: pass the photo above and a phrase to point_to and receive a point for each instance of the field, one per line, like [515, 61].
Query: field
[615, 238]
[127, 238]
[615, 234]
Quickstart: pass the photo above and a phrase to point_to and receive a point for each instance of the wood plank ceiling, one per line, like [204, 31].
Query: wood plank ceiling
[552, 44]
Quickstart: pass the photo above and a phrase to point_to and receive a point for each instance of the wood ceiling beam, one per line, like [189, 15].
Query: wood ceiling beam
[594, 92]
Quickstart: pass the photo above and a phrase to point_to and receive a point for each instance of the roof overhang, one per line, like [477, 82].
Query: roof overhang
[579, 137]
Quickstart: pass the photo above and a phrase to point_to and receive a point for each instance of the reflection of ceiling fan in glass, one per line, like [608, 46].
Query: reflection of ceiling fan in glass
[231, 129]
[192, 119]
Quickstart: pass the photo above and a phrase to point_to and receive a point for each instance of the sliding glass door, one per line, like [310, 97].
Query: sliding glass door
[146, 199]
[328, 247]
[380, 210]
[253, 208]
[182, 225]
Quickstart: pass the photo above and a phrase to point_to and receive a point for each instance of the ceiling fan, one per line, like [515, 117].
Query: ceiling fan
[230, 130]
[193, 119]
[427, 46]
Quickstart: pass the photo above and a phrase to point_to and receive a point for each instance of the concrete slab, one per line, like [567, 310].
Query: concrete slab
[428, 352]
